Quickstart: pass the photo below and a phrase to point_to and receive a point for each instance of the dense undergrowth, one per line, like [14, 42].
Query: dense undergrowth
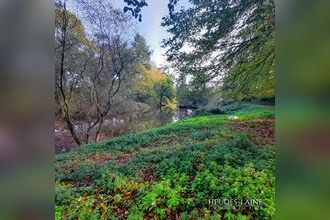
[172, 171]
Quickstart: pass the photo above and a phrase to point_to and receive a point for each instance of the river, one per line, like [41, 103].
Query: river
[119, 125]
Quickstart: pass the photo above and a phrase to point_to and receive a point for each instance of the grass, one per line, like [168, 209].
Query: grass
[172, 171]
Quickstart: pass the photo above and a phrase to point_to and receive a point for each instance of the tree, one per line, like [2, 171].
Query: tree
[141, 50]
[154, 87]
[69, 37]
[164, 91]
[91, 72]
[228, 43]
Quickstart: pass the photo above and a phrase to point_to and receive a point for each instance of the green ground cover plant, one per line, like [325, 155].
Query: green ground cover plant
[172, 171]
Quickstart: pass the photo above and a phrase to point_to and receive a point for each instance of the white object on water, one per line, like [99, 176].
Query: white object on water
[232, 117]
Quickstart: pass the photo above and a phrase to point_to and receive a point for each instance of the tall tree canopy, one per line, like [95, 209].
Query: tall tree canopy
[141, 50]
[228, 42]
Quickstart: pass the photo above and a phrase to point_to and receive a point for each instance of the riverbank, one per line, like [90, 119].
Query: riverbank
[174, 171]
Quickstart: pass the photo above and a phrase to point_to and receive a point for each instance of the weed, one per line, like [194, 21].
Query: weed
[171, 171]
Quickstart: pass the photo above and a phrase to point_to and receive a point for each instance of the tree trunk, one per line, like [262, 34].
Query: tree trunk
[97, 134]
[87, 137]
[72, 131]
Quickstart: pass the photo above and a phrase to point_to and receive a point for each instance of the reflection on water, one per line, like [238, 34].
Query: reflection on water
[120, 125]
[133, 123]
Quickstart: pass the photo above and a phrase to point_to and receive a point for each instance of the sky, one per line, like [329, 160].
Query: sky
[150, 27]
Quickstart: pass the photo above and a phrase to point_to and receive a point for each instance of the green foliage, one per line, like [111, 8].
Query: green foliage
[164, 91]
[227, 41]
[134, 6]
[155, 87]
[135, 216]
[208, 111]
[171, 170]
[161, 196]
[195, 92]
[141, 50]
[84, 209]
[59, 212]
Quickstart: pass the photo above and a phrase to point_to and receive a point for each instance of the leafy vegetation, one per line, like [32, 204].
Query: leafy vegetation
[154, 87]
[221, 51]
[224, 43]
[172, 171]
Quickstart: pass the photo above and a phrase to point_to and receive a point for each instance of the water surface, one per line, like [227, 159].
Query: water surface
[119, 125]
